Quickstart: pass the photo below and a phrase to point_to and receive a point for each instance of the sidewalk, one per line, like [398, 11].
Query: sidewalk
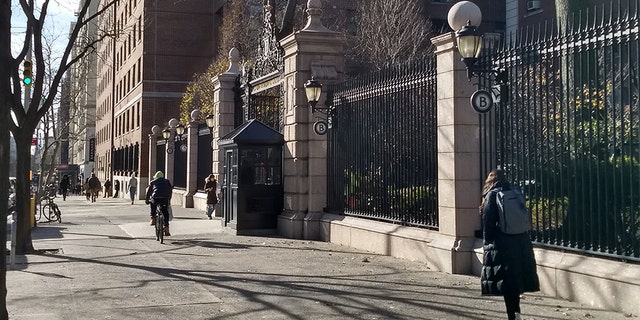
[102, 262]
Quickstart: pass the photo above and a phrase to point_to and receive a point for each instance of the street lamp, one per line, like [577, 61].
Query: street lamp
[211, 122]
[166, 134]
[179, 132]
[313, 89]
[464, 17]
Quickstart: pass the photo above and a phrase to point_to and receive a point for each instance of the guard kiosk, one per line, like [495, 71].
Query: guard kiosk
[252, 191]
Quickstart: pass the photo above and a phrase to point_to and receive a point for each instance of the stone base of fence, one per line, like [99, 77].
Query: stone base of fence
[440, 252]
[291, 224]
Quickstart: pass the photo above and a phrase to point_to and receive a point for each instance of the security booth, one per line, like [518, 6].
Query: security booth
[252, 191]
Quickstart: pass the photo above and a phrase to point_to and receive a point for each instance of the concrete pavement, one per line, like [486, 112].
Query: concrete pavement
[102, 262]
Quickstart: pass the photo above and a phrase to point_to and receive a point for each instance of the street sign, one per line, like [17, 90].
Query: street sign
[320, 127]
[92, 149]
[481, 101]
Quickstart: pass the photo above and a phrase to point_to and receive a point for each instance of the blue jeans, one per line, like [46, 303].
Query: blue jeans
[210, 208]
[132, 193]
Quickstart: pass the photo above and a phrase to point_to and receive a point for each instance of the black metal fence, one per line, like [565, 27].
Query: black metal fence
[180, 165]
[266, 106]
[382, 146]
[205, 152]
[569, 136]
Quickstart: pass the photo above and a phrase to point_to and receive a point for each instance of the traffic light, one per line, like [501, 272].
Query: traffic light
[27, 74]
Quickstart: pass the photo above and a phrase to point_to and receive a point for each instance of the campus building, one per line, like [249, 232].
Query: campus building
[142, 74]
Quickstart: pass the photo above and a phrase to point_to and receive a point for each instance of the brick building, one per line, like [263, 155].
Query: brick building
[142, 75]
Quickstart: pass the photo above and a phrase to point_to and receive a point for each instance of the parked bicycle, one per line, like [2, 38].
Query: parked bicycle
[48, 209]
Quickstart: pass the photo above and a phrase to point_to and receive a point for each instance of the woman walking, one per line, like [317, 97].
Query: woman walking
[509, 265]
[64, 186]
[133, 187]
[210, 186]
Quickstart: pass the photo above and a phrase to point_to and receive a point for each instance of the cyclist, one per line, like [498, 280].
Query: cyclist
[159, 194]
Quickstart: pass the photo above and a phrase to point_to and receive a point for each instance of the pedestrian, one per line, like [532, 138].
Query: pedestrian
[133, 187]
[87, 192]
[116, 187]
[107, 189]
[94, 187]
[509, 265]
[211, 186]
[64, 186]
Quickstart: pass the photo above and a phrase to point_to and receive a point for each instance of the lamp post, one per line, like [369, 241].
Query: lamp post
[211, 122]
[166, 134]
[179, 132]
[313, 90]
[464, 18]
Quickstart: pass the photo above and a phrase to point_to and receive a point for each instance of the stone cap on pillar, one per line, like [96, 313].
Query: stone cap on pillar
[314, 22]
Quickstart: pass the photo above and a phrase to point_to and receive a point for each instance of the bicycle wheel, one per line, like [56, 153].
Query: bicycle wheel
[57, 212]
[159, 228]
[49, 213]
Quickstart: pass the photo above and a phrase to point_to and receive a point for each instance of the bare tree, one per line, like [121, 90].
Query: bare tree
[44, 90]
[391, 31]
[239, 29]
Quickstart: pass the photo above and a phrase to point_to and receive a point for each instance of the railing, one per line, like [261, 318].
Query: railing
[570, 134]
[205, 152]
[382, 147]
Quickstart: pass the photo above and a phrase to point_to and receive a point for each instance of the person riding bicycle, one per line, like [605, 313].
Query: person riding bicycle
[159, 193]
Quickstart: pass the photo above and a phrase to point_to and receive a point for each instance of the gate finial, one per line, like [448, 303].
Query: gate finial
[234, 58]
[314, 9]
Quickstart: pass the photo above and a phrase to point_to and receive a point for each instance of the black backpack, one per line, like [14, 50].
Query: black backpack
[514, 218]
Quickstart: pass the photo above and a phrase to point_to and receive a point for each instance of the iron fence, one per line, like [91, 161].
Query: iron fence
[382, 146]
[569, 136]
[180, 164]
[205, 155]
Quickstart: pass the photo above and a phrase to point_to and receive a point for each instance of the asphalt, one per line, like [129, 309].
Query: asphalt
[102, 262]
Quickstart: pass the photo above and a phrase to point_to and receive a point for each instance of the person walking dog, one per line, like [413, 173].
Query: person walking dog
[509, 265]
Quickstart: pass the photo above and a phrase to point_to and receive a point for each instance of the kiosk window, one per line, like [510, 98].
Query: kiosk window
[261, 165]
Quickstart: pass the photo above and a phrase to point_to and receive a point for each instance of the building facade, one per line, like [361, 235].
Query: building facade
[142, 74]
[79, 98]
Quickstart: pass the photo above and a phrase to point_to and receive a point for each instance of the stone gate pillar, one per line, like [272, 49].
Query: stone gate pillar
[192, 159]
[223, 112]
[169, 162]
[459, 180]
[319, 52]
[153, 159]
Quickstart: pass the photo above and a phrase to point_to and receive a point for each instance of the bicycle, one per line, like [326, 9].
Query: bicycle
[160, 223]
[49, 210]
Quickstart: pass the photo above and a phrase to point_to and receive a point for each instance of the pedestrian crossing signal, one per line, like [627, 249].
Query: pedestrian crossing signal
[27, 77]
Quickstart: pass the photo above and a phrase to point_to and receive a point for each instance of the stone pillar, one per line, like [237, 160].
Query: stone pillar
[153, 155]
[224, 97]
[171, 151]
[192, 159]
[318, 52]
[459, 180]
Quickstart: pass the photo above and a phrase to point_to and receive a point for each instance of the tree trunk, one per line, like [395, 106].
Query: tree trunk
[4, 195]
[5, 117]
[23, 192]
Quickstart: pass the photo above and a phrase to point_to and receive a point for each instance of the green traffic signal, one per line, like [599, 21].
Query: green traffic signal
[27, 74]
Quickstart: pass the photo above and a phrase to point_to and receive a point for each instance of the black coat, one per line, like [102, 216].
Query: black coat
[159, 188]
[509, 265]
[210, 187]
